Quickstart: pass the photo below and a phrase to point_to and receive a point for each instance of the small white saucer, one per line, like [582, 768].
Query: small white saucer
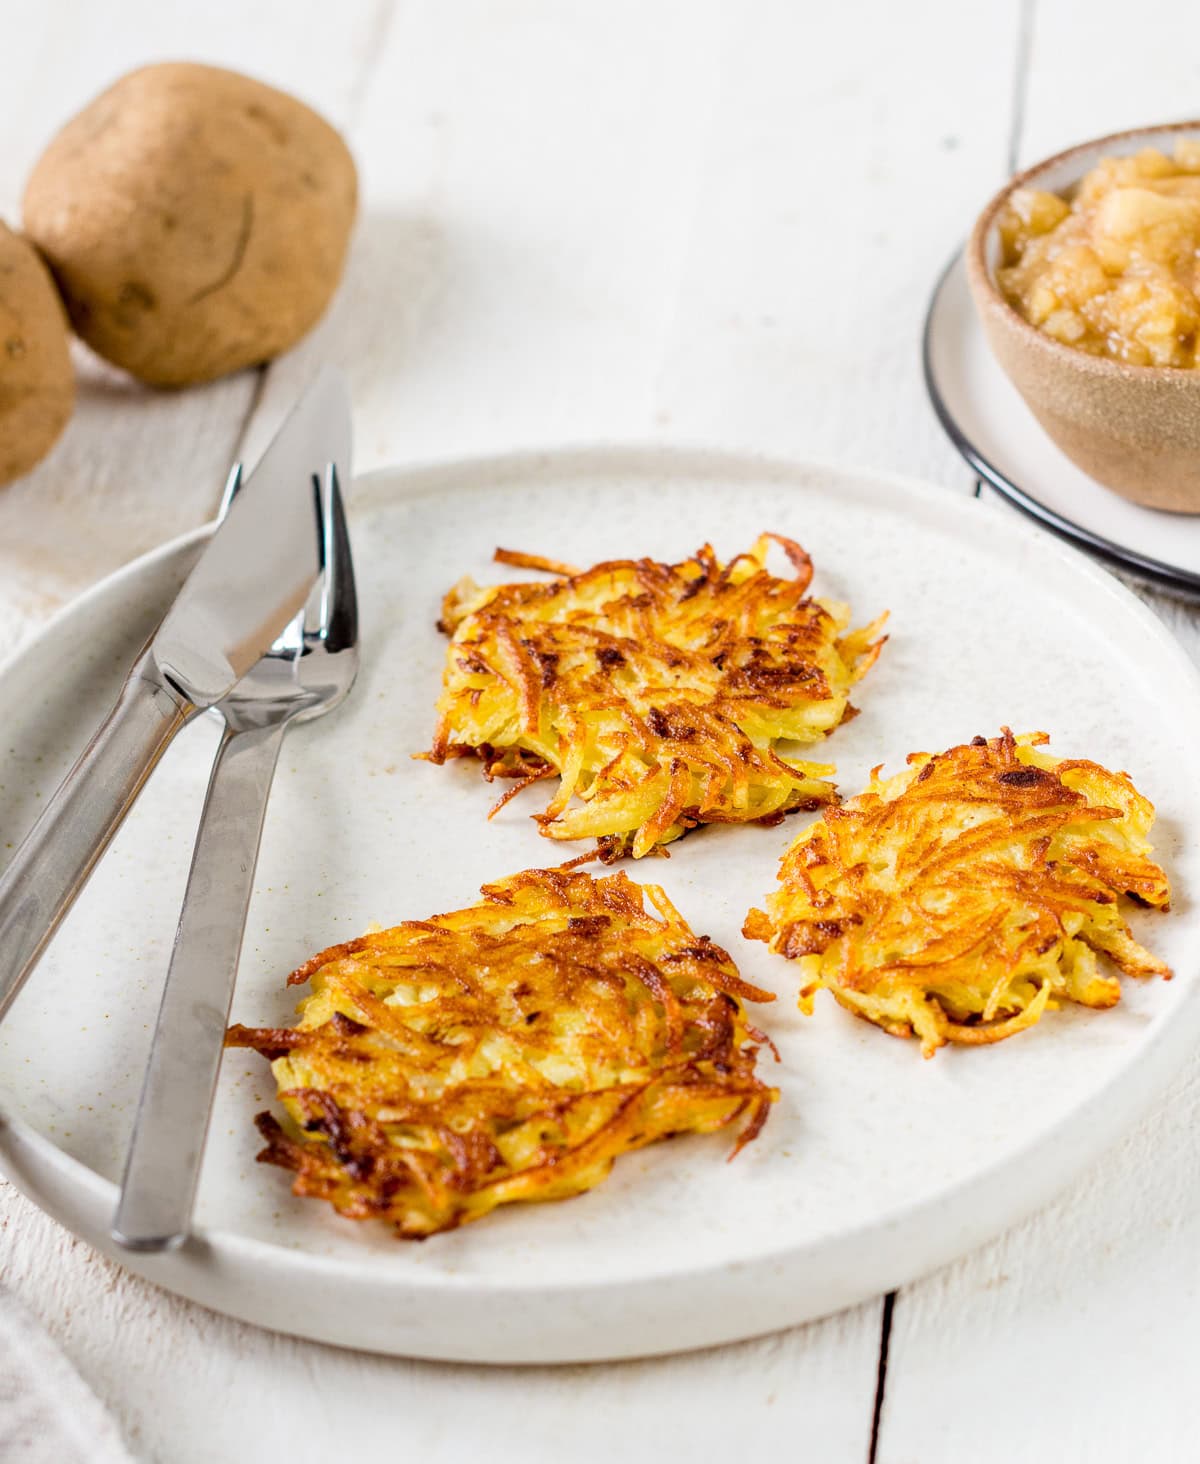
[1001, 439]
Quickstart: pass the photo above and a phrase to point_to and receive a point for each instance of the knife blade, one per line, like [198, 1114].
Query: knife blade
[253, 576]
[263, 558]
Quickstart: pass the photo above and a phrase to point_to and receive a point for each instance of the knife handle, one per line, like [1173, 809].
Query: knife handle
[58, 855]
[163, 1167]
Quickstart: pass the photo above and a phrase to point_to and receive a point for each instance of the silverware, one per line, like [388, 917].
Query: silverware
[251, 580]
[307, 672]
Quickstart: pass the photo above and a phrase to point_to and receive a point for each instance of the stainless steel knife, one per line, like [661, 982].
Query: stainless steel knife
[253, 576]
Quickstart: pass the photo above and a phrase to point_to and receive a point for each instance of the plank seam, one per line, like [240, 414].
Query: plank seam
[885, 1334]
[377, 39]
[1021, 82]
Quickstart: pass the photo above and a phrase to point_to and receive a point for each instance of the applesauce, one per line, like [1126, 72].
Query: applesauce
[1113, 269]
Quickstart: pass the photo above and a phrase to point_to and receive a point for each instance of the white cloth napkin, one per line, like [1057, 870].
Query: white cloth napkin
[48, 1414]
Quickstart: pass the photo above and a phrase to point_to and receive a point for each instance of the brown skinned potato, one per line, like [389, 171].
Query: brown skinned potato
[37, 385]
[196, 221]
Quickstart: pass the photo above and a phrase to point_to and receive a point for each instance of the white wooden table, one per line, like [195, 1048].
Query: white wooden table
[689, 220]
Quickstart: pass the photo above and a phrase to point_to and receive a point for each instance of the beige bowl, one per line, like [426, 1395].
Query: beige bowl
[1136, 429]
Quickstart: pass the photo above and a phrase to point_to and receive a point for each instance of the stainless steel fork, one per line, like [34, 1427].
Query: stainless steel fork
[307, 672]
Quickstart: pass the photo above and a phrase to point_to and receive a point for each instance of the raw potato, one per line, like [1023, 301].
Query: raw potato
[37, 385]
[196, 221]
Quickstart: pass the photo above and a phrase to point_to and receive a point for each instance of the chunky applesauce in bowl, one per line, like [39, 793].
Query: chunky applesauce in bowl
[1115, 268]
[1085, 273]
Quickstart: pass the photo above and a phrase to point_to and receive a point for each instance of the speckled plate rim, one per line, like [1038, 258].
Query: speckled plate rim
[1155, 572]
[632, 1314]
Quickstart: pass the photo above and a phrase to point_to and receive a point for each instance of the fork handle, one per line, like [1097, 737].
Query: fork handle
[58, 855]
[161, 1172]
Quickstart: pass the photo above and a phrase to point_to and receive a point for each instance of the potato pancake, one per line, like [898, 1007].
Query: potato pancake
[510, 1051]
[959, 900]
[658, 693]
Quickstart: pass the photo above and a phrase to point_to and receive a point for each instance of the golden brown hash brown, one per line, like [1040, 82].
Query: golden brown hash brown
[658, 693]
[509, 1051]
[959, 900]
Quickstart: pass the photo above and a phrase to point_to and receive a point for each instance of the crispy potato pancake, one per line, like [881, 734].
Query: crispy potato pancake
[658, 693]
[510, 1051]
[961, 899]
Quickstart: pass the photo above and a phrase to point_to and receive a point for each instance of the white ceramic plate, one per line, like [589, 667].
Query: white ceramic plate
[999, 436]
[874, 1166]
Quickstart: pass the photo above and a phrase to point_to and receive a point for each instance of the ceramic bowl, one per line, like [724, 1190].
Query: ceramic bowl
[1136, 429]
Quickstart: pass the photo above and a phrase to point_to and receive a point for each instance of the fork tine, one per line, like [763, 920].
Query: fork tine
[339, 619]
[324, 486]
[331, 613]
[233, 486]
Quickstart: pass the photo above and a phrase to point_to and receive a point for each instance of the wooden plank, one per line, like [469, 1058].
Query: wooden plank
[679, 254]
[846, 157]
[1064, 1338]
[527, 167]
[1111, 69]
